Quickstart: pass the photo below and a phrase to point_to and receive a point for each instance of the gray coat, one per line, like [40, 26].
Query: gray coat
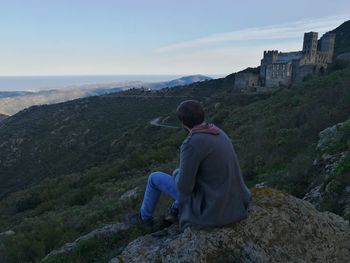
[209, 180]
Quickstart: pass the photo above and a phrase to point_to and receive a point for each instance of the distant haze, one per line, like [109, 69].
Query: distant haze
[48, 90]
[37, 83]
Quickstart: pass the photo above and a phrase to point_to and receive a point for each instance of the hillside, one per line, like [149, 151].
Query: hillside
[87, 153]
[51, 140]
[187, 80]
[3, 117]
[330, 188]
[324, 238]
[70, 168]
[13, 102]
[342, 43]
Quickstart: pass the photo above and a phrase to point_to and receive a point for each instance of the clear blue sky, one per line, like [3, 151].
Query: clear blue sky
[77, 37]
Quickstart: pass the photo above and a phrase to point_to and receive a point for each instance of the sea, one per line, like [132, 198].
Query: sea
[38, 83]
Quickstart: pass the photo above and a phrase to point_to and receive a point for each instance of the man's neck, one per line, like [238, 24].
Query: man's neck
[197, 125]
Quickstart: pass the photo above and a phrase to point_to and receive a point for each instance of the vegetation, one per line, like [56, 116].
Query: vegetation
[342, 44]
[335, 187]
[81, 175]
[64, 167]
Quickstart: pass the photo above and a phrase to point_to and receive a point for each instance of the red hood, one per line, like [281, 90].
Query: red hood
[206, 128]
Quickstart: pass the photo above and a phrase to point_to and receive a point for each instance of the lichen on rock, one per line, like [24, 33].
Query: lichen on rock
[280, 228]
[328, 189]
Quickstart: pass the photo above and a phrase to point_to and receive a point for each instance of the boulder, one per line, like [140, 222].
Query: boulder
[280, 228]
[130, 195]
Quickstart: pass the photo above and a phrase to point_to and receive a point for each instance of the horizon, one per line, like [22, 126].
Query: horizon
[102, 75]
[61, 82]
[107, 38]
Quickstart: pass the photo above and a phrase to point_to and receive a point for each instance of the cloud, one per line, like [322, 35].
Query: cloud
[281, 31]
[216, 60]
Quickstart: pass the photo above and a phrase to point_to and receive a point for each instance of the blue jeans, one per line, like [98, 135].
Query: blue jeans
[158, 182]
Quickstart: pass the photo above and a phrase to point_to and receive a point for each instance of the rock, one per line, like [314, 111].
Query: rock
[314, 196]
[130, 195]
[7, 233]
[280, 228]
[114, 260]
[260, 185]
[328, 188]
[327, 136]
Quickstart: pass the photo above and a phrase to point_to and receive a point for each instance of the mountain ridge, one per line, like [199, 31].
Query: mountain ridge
[342, 41]
[3, 117]
[12, 102]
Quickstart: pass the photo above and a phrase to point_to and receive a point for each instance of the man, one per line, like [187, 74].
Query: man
[207, 188]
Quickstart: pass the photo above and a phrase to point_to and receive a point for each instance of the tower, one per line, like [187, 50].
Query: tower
[269, 57]
[327, 45]
[310, 45]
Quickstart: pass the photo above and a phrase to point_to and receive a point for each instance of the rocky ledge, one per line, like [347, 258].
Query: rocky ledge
[280, 228]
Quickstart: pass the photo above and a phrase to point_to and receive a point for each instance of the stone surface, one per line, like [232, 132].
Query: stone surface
[7, 233]
[114, 260]
[281, 228]
[130, 195]
[327, 136]
[314, 196]
[331, 154]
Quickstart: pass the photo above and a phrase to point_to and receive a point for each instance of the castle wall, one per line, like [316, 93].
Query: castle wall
[278, 74]
[322, 59]
[281, 69]
[327, 45]
[303, 71]
[246, 80]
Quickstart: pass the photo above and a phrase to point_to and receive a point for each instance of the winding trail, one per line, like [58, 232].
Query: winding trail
[155, 122]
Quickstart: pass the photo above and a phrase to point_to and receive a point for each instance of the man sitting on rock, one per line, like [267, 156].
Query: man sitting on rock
[207, 188]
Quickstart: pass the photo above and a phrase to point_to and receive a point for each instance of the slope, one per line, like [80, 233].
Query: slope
[274, 134]
[342, 41]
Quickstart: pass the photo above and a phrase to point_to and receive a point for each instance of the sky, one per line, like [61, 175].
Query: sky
[182, 37]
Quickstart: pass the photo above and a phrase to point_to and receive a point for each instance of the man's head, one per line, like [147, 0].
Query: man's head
[190, 113]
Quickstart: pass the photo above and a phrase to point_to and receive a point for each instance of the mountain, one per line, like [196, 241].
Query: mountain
[342, 41]
[8, 94]
[69, 170]
[65, 167]
[3, 117]
[178, 82]
[52, 140]
[12, 102]
[57, 139]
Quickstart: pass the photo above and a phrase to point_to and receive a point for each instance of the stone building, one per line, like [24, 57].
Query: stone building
[246, 81]
[283, 68]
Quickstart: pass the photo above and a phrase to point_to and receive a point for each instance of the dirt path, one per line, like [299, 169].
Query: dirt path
[155, 122]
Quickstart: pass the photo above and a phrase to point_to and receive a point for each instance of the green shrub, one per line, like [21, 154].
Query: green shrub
[26, 203]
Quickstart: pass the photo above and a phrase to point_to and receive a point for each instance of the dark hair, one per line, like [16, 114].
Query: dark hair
[190, 113]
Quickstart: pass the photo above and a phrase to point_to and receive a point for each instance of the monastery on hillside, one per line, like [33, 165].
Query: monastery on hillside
[283, 68]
